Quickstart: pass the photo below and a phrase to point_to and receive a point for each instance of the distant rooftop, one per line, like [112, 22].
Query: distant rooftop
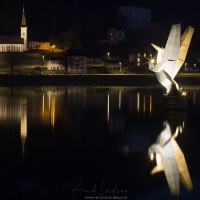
[11, 39]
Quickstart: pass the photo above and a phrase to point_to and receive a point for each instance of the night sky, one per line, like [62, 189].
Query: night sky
[90, 19]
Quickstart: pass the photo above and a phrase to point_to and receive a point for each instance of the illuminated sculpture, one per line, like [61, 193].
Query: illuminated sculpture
[171, 58]
[170, 158]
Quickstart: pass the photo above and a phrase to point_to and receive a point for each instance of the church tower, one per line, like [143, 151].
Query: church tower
[23, 28]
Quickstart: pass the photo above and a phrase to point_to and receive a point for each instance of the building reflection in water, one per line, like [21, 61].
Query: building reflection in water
[120, 110]
[195, 98]
[54, 100]
[119, 121]
[124, 122]
[140, 101]
[47, 108]
[108, 108]
[170, 158]
[53, 110]
[76, 97]
[23, 110]
[120, 98]
[15, 110]
[150, 104]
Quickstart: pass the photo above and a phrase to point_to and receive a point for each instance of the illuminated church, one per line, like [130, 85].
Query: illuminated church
[15, 43]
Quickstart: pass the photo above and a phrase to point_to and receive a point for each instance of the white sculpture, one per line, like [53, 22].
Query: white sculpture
[170, 158]
[170, 59]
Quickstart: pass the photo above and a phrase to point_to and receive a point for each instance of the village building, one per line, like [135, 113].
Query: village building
[15, 43]
[77, 65]
[39, 45]
[112, 65]
[56, 64]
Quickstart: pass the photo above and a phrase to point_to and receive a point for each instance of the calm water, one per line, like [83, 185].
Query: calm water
[90, 142]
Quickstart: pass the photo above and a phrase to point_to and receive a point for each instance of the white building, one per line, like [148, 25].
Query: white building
[77, 65]
[56, 64]
[15, 43]
[74, 63]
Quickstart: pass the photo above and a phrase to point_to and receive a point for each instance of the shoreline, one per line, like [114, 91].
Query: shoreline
[92, 80]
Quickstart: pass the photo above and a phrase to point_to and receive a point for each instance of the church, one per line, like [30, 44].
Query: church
[15, 43]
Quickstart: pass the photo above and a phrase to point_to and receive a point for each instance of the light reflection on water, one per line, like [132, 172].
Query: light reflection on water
[56, 137]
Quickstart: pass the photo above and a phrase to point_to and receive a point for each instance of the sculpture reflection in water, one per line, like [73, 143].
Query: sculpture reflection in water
[167, 64]
[170, 158]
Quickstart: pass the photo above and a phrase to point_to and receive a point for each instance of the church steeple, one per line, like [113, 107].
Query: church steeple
[24, 30]
[23, 18]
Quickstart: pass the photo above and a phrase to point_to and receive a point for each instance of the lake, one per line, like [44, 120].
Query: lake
[91, 142]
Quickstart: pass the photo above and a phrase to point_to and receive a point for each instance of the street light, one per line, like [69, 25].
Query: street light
[53, 47]
[120, 66]
[108, 55]
[185, 67]
[42, 59]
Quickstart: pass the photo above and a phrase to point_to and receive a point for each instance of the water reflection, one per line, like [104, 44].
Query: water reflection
[15, 111]
[170, 158]
[123, 108]
[139, 102]
[63, 135]
[23, 122]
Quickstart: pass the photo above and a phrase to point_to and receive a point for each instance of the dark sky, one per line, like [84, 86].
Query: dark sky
[164, 11]
[90, 17]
